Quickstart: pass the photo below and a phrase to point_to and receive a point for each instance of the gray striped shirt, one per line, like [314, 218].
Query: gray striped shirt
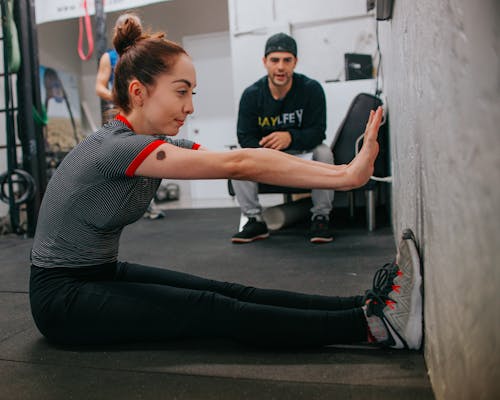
[93, 195]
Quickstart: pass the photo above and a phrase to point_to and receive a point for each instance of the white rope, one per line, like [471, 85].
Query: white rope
[356, 151]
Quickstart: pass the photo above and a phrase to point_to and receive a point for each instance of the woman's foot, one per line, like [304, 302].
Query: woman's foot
[361, 167]
[394, 304]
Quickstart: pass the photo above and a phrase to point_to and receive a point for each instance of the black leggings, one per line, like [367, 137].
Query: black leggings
[125, 302]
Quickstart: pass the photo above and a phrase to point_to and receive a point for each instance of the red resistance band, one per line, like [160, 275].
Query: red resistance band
[88, 29]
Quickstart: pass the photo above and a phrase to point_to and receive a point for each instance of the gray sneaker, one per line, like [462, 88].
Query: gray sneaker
[396, 297]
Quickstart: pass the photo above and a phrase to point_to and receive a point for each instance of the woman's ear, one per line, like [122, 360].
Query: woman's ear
[137, 92]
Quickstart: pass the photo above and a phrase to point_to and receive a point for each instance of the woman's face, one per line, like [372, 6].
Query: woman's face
[170, 101]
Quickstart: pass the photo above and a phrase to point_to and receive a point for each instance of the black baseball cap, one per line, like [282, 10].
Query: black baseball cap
[281, 42]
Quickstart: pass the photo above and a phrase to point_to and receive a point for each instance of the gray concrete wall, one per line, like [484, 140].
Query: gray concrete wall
[442, 80]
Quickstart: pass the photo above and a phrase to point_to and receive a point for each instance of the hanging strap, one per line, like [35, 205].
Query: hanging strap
[11, 39]
[41, 118]
[88, 29]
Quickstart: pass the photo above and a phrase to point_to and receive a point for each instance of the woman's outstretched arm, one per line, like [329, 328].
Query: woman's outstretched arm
[266, 165]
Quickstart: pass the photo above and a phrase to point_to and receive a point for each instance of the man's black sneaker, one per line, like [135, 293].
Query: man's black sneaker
[396, 297]
[252, 230]
[320, 230]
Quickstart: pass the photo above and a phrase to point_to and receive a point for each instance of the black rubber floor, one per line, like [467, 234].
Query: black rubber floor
[198, 241]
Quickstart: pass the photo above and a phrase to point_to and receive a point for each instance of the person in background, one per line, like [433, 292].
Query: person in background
[81, 293]
[106, 72]
[283, 111]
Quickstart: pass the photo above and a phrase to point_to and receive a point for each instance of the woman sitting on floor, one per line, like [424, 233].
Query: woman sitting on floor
[81, 293]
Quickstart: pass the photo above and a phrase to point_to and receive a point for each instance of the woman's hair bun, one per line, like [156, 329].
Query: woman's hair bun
[127, 32]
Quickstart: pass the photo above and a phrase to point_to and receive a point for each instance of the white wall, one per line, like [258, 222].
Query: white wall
[213, 123]
[442, 80]
[324, 30]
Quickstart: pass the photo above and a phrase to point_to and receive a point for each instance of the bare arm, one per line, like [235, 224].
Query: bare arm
[102, 79]
[265, 165]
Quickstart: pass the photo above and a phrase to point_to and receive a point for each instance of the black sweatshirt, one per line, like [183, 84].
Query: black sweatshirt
[302, 112]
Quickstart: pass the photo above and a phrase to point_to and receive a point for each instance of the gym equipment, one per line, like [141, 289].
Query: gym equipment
[287, 214]
[358, 66]
[167, 192]
[20, 180]
[11, 39]
[84, 23]
[54, 89]
[24, 182]
[29, 132]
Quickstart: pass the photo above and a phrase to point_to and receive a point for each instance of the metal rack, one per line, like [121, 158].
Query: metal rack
[23, 184]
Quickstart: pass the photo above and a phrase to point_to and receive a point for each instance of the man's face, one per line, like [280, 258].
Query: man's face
[280, 66]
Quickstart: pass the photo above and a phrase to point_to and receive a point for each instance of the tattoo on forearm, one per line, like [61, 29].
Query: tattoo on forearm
[161, 155]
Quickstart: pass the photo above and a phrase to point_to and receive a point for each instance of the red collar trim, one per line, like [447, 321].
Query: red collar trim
[121, 118]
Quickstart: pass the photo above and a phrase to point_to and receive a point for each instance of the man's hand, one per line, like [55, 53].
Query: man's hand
[278, 140]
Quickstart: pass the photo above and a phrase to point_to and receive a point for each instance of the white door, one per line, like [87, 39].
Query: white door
[213, 123]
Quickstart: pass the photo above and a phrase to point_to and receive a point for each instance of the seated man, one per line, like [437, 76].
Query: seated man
[284, 111]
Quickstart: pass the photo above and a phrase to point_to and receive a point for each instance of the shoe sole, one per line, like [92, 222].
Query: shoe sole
[406, 318]
[321, 240]
[242, 240]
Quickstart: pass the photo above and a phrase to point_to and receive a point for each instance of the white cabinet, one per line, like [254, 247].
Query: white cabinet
[339, 96]
[213, 123]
